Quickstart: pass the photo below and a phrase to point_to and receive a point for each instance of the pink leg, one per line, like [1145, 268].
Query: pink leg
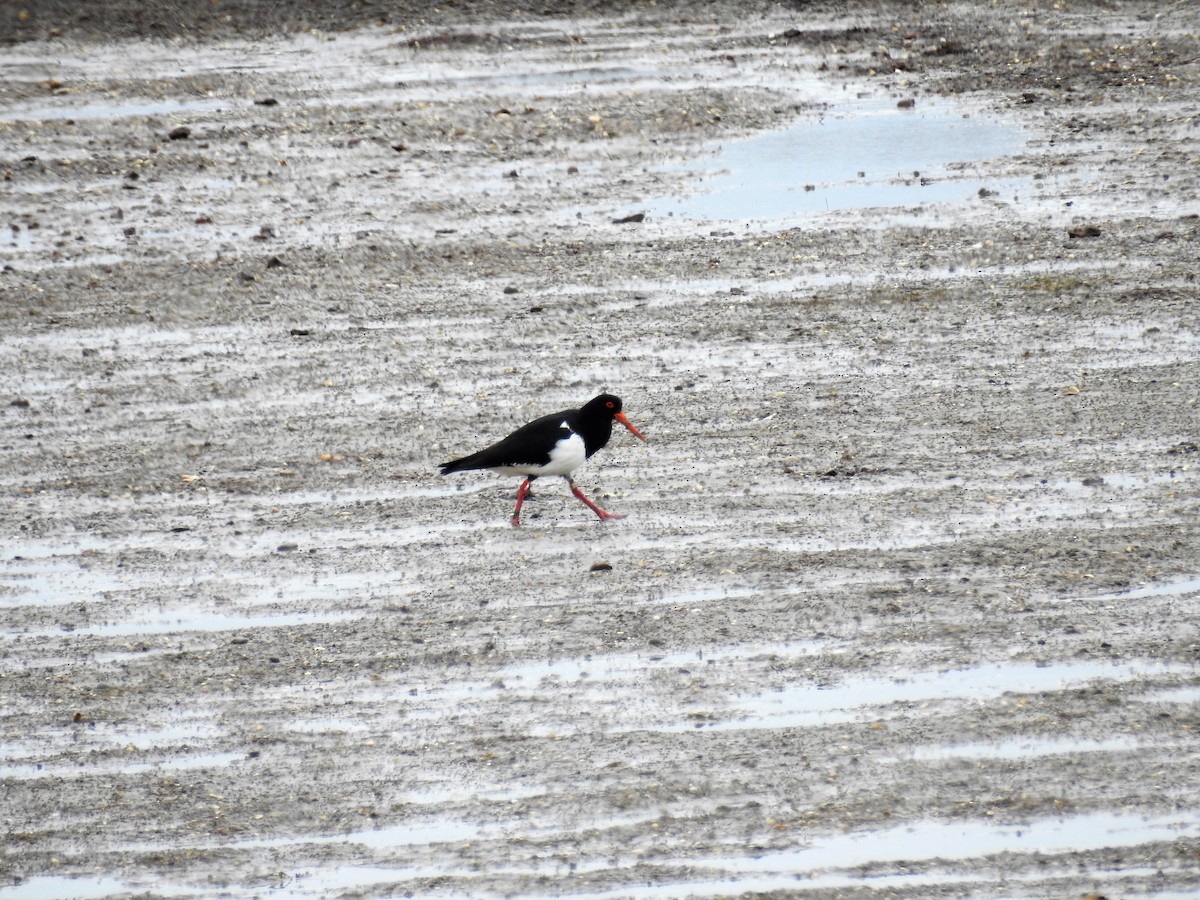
[522, 493]
[592, 506]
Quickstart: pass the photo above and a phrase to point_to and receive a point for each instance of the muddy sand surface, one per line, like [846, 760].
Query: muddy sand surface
[904, 604]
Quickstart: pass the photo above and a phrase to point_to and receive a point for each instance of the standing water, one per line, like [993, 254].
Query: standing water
[873, 154]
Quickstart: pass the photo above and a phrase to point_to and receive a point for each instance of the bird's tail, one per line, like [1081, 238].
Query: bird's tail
[459, 465]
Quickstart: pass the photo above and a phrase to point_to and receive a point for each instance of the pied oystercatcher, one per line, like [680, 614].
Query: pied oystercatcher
[556, 444]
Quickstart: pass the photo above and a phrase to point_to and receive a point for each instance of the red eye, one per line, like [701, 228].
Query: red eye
[609, 404]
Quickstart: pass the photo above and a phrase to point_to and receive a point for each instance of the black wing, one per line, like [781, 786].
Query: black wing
[528, 445]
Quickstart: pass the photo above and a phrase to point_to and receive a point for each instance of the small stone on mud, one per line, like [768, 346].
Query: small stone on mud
[630, 220]
[286, 548]
[266, 101]
[600, 567]
[1084, 231]
[182, 133]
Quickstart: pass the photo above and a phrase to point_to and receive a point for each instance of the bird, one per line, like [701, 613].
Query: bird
[556, 444]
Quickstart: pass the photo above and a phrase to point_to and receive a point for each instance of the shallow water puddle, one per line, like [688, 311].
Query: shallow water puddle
[176, 742]
[1150, 591]
[184, 732]
[65, 111]
[52, 887]
[1023, 748]
[1185, 694]
[701, 596]
[558, 78]
[822, 864]
[597, 682]
[1188, 586]
[805, 705]
[632, 667]
[806, 868]
[187, 620]
[435, 831]
[1115, 480]
[865, 155]
[308, 882]
[439, 793]
[54, 580]
[183, 762]
[612, 688]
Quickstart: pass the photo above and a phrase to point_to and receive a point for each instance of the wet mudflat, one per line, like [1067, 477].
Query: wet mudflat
[904, 604]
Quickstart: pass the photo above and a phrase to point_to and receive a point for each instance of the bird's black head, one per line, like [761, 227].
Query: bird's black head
[609, 405]
[605, 403]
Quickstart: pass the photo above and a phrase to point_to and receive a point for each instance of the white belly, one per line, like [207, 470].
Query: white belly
[567, 456]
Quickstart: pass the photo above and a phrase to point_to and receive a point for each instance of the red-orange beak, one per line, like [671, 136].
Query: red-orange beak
[620, 417]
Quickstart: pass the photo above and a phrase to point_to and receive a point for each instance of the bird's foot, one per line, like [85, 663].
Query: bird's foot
[603, 514]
